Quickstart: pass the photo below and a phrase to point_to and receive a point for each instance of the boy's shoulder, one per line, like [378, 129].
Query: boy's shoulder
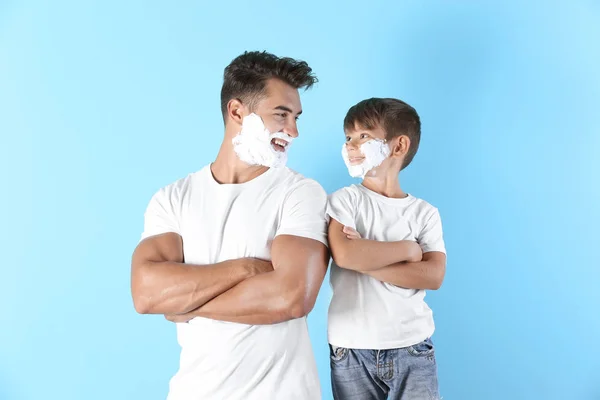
[422, 210]
[345, 192]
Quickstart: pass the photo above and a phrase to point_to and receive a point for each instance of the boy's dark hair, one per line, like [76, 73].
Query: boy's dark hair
[246, 77]
[394, 116]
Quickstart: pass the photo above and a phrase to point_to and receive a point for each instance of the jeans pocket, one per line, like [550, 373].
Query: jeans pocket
[422, 349]
[337, 354]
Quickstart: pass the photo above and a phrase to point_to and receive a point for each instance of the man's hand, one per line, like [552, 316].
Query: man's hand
[178, 318]
[257, 266]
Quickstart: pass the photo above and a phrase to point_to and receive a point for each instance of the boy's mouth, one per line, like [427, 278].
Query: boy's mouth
[279, 144]
[356, 160]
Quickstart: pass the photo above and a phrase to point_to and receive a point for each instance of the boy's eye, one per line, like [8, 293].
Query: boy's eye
[347, 138]
[364, 136]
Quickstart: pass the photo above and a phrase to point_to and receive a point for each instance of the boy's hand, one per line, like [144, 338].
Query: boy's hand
[351, 233]
[415, 252]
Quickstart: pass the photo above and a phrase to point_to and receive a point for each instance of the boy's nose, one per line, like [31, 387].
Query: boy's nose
[351, 145]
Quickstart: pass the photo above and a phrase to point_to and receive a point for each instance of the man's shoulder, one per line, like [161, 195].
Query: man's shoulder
[177, 188]
[292, 180]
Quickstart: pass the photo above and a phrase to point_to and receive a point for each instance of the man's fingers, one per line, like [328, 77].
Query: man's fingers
[177, 318]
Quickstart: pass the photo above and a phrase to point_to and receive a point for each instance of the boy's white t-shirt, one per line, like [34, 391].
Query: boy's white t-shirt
[366, 313]
[218, 222]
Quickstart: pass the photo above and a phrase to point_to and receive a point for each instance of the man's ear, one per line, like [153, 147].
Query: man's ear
[236, 111]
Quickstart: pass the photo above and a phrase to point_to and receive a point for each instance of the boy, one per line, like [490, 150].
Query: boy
[387, 249]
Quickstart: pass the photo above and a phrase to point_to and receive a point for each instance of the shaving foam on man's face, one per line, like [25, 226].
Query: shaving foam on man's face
[255, 145]
[373, 152]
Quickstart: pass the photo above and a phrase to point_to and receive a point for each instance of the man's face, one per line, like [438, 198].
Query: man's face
[279, 110]
[268, 129]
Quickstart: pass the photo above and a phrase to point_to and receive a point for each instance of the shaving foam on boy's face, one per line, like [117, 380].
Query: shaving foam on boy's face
[374, 152]
[255, 145]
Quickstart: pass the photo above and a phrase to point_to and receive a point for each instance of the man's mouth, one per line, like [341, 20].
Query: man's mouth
[279, 144]
[356, 160]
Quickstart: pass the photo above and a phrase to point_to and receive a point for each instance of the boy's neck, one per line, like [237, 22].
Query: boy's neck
[387, 185]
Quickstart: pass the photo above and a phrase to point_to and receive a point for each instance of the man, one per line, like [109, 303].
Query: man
[236, 252]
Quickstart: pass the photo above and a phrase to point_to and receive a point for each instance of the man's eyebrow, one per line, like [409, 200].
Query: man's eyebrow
[287, 109]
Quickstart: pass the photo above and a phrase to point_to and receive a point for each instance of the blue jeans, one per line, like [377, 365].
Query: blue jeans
[408, 373]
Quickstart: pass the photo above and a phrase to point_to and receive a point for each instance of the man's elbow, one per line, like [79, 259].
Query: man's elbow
[141, 305]
[300, 304]
[300, 309]
[140, 290]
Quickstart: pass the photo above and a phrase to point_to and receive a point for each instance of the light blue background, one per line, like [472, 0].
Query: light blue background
[102, 103]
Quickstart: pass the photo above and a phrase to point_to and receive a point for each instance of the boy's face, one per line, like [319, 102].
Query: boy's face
[365, 151]
[357, 137]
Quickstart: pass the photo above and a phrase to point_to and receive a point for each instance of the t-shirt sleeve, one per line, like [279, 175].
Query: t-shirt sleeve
[304, 212]
[340, 208]
[431, 237]
[160, 215]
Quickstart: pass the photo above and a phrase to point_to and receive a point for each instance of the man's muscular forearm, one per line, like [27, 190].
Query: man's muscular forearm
[288, 292]
[162, 284]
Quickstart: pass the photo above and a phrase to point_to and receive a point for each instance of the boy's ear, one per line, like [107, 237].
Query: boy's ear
[401, 146]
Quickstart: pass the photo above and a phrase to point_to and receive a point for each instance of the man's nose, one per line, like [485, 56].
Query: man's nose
[291, 128]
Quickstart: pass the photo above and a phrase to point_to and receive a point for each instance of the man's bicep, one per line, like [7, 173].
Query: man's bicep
[299, 259]
[304, 212]
[159, 248]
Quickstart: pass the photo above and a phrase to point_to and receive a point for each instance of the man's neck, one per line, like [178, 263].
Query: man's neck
[386, 184]
[228, 168]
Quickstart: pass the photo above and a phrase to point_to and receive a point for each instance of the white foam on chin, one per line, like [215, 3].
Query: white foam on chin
[253, 144]
[375, 151]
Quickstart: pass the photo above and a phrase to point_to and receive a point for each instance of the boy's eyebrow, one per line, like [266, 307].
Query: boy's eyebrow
[287, 109]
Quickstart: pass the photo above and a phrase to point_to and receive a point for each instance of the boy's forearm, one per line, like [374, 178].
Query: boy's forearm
[365, 255]
[412, 275]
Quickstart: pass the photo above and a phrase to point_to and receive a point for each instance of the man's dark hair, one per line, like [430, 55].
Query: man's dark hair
[394, 116]
[246, 77]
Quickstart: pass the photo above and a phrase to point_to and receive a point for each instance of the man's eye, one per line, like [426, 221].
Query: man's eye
[282, 115]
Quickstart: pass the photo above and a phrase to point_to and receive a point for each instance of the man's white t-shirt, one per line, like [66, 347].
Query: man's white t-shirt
[366, 313]
[218, 222]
